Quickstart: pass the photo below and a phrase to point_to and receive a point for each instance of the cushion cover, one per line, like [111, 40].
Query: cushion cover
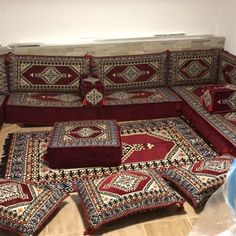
[3, 78]
[221, 98]
[130, 72]
[227, 69]
[45, 73]
[25, 207]
[87, 143]
[193, 67]
[92, 91]
[109, 198]
[199, 180]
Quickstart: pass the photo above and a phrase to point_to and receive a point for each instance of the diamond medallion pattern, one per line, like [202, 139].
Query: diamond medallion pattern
[193, 67]
[84, 132]
[94, 97]
[227, 69]
[124, 183]
[125, 72]
[45, 73]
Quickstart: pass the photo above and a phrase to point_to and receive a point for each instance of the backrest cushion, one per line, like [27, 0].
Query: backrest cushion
[227, 69]
[193, 67]
[127, 72]
[45, 73]
[3, 77]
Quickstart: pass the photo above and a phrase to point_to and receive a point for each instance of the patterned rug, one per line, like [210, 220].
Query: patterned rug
[145, 144]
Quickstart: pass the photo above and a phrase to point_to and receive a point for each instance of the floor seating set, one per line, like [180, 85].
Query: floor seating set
[122, 126]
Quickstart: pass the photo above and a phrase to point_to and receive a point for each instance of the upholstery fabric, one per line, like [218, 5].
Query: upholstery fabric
[139, 96]
[45, 73]
[92, 91]
[221, 98]
[47, 108]
[193, 67]
[109, 198]
[24, 208]
[227, 68]
[86, 143]
[215, 128]
[145, 144]
[131, 72]
[3, 76]
[199, 180]
[2, 110]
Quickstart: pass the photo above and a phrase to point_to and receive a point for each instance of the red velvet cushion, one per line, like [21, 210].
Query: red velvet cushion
[25, 207]
[118, 195]
[227, 68]
[45, 73]
[193, 67]
[132, 72]
[199, 180]
[220, 98]
[3, 77]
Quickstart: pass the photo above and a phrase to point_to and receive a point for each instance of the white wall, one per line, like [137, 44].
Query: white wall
[70, 21]
[226, 25]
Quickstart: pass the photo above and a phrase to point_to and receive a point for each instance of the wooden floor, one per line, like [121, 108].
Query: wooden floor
[68, 221]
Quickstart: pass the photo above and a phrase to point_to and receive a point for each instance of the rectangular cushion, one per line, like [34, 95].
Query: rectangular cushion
[227, 68]
[3, 77]
[193, 67]
[45, 73]
[129, 72]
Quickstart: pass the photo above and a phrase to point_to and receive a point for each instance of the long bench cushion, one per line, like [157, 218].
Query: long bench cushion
[45, 73]
[3, 77]
[140, 96]
[227, 68]
[193, 67]
[218, 129]
[129, 72]
[47, 108]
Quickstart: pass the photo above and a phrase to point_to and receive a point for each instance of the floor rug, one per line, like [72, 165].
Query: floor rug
[145, 144]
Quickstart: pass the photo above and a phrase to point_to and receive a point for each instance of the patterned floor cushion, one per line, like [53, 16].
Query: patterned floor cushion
[219, 98]
[25, 207]
[199, 180]
[109, 198]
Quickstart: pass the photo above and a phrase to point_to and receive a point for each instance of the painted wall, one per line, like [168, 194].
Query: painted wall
[226, 25]
[76, 21]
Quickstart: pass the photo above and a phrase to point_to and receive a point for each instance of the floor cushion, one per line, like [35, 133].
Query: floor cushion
[219, 98]
[47, 108]
[199, 180]
[88, 143]
[109, 198]
[25, 207]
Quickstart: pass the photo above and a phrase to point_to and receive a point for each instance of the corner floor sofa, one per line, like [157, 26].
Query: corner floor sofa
[166, 130]
[46, 89]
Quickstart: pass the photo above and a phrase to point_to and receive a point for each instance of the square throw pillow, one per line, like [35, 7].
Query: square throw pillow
[109, 198]
[25, 207]
[219, 98]
[198, 181]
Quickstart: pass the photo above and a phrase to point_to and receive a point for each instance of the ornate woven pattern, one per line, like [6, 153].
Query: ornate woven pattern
[227, 69]
[26, 152]
[85, 133]
[45, 99]
[118, 195]
[25, 207]
[141, 96]
[222, 125]
[45, 73]
[2, 98]
[3, 78]
[193, 67]
[199, 180]
[129, 72]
